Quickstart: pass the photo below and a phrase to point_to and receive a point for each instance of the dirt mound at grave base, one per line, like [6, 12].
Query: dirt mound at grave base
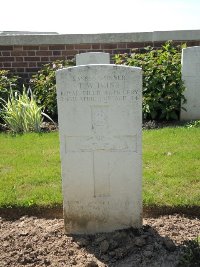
[33, 241]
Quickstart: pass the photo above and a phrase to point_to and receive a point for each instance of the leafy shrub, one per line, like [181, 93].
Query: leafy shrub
[193, 124]
[191, 255]
[43, 85]
[21, 113]
[162, 84]
[8, 82]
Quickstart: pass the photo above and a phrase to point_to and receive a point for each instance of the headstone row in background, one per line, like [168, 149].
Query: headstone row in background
[191, 77]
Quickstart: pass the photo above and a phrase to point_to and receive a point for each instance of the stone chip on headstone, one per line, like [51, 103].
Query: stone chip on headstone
[100, 124]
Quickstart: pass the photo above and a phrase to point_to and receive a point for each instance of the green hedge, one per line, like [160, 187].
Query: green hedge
[43, 85]
[162, 84]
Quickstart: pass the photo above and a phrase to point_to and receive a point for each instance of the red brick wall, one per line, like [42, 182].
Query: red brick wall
[25, 60]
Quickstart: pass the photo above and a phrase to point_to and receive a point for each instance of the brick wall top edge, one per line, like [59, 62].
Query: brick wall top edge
[176, 35]
[42, 39]
[74, 38]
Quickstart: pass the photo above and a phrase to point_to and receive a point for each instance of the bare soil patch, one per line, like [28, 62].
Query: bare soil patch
[36, 241]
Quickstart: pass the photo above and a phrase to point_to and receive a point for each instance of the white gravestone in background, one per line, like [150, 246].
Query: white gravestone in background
[92, 58]
[100, 124]
[191, 77]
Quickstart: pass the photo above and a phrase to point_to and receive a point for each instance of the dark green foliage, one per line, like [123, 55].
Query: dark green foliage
[162, 84]
[43, 85]
[193, 124]
[7, 82]
[191, 255]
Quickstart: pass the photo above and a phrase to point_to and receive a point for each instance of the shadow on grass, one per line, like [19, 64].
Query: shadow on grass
[47, 212]
[56, 211]
[155, 211]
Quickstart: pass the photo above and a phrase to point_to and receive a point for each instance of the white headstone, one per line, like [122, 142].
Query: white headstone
[191, 77]
[93, 58]
[100, 124]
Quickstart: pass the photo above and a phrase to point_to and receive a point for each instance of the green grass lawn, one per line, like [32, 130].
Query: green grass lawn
[171, 167]
[30, 168]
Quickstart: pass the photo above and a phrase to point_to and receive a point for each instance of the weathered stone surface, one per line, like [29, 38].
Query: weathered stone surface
[191, 77]
[100, 121]
[92, 58]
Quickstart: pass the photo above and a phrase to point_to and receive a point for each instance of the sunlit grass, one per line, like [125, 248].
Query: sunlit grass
[171, 167]
[30, 168]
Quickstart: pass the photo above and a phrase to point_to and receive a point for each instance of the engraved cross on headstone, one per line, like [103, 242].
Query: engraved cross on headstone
[100, 143]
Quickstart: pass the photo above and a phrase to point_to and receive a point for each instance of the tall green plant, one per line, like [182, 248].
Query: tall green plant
[43, 85]
[162, 84]
[8, 82]
[21, 113]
